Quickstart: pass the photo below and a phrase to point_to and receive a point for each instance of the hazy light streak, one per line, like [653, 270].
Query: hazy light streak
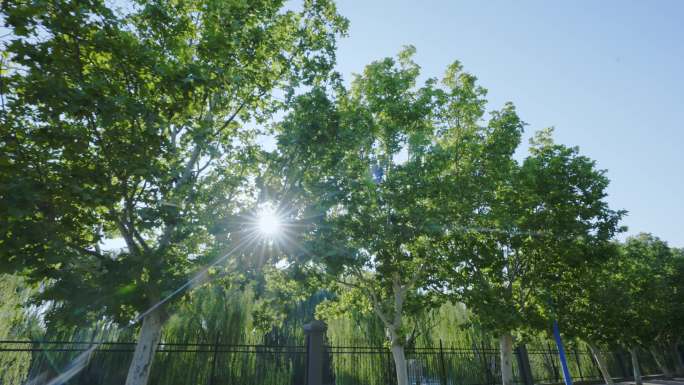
[78, 363]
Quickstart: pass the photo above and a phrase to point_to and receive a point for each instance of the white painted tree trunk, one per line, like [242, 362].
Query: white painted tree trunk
[393, 325]
[506, 352]
[400, 364]
[397, 348]
[148, 339]
[635, 365]
[602, 364]
[662, 364]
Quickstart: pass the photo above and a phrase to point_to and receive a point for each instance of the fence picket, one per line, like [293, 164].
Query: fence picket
[199, 363]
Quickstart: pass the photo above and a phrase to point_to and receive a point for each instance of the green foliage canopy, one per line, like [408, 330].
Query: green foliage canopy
[381, 172]
[546, 216]
[138, 123]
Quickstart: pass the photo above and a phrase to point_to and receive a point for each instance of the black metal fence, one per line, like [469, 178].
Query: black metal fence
[174, 363]
[221, 364]
[469, 366]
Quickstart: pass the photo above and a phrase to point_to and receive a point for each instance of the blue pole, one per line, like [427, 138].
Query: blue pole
[561, 353]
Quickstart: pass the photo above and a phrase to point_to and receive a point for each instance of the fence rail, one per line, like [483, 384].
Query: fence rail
[228, 364]
[174, 363]
[81, 346]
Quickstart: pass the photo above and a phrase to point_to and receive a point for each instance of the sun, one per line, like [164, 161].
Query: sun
[268, 222]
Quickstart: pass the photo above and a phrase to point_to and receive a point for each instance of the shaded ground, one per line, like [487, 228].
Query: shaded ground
[676, 381]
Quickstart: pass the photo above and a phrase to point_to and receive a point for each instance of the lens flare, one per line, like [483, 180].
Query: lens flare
[268, 222]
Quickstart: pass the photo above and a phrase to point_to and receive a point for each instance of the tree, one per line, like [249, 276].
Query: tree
[373, 174]
[545, 216]
[136, 123]
[625, 301]
[16, 323]
[674, 328]
[590, 305]
[646, 270]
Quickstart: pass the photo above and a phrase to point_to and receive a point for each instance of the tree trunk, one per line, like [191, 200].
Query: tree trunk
[635, 365]
[397, 348]
[506, 351]
[148, 339]
[662, 363]
[601, 362]
[678, 361]
[400, 363]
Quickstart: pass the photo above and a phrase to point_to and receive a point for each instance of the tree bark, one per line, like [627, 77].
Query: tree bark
[662, 363]
[148, 339]
[400, 364]
[635, 365]
[601, 362]
[506, 351]
[398, 355]
[678, 361]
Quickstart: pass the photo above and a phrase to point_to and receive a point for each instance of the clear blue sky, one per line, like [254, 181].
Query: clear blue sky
[606, 74]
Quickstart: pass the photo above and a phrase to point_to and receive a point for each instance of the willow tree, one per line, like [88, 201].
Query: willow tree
[137, 123]
[374, 172]
[16, 323]
[547, 215]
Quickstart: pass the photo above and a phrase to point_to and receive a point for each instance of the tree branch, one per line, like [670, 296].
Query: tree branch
[130, 242]
[378, 309]
[129, 219]
[399, 296]
[83, 250]
[368, 288]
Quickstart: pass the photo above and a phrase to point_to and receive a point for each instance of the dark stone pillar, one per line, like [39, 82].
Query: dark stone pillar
[315, 337]
[524, 365]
